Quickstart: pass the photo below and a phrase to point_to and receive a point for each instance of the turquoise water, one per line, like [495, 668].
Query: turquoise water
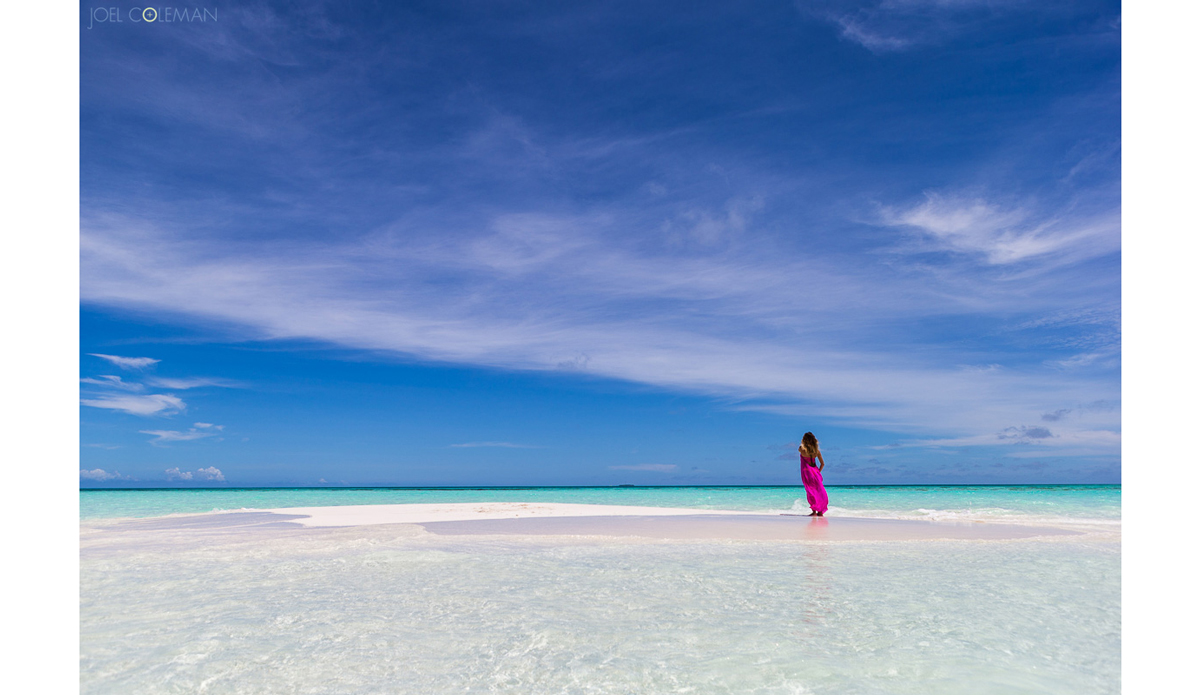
[168, 608]
[1014, 503]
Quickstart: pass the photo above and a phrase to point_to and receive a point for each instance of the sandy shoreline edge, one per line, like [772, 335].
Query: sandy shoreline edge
[577, 520]
[372, 514]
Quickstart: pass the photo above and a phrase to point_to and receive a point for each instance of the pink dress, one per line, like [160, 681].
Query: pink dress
[814, 485]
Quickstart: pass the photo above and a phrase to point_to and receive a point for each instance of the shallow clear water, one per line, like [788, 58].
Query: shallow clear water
[1017, 503]
[395, 610]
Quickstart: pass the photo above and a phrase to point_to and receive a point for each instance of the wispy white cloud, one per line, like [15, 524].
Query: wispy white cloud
[1109, 358]
[148, 404]
[1082, 439]
[113, 382]
[99, 474]
[189, 383]
[132, 363]
[114, 393]
[708, 228]
[1003, 235]
[522, 250]
[885, 26]
[502, 445]
[763, 329]
[199, 431]
[855, 30]
[176, 474]
[653, 467]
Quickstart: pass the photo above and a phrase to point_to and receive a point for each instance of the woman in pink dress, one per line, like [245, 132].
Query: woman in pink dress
[814, 484]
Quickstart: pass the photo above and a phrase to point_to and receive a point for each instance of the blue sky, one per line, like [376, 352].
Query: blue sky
[572, 243]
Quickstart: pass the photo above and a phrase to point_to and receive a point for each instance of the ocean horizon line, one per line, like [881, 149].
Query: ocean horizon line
[578, 487]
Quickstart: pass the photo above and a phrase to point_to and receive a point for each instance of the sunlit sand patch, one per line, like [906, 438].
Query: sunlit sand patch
[363, 515]
[743, 527]
[580, 520]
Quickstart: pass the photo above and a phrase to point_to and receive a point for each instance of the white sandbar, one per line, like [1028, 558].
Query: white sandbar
[371, 514]
[555, 519]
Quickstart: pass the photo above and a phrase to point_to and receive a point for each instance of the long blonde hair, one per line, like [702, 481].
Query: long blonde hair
[808, 444]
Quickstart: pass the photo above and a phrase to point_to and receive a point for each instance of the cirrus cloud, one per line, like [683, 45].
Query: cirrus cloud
[200, 430]
[189, 383]
[131, 363]
[507, 303]
[112, 382]
[1003, 235]
[149, 404]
